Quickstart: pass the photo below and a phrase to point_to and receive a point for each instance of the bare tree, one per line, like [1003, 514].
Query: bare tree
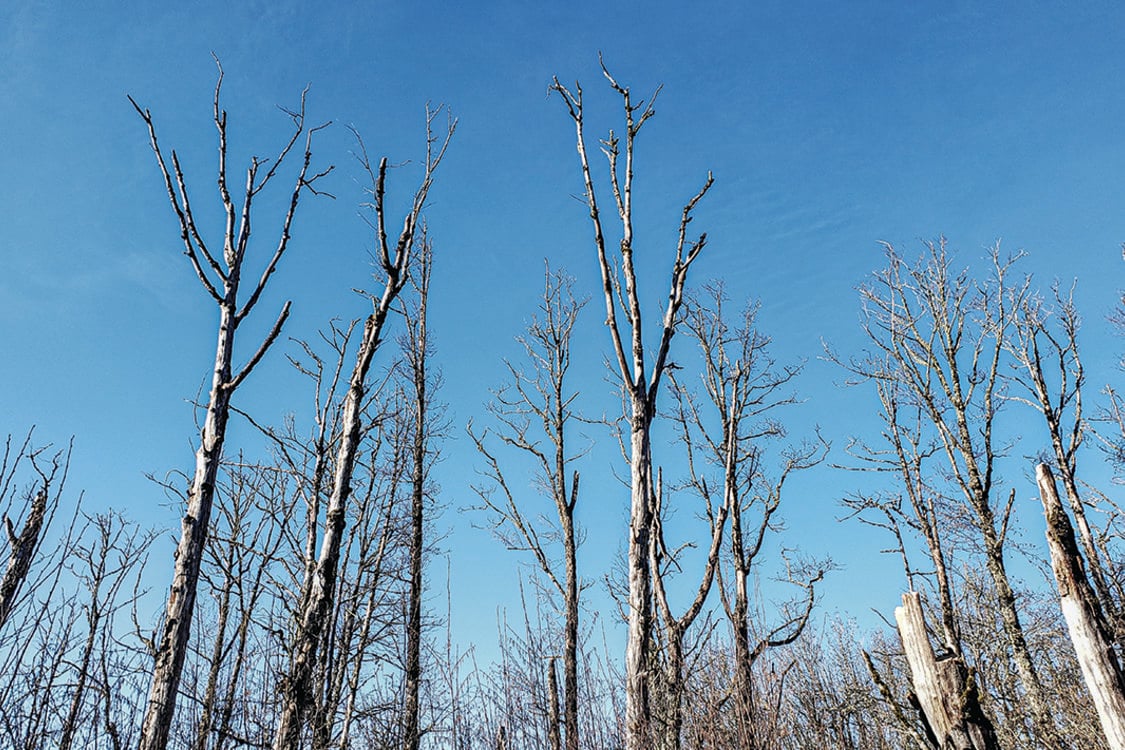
[675, 628]
[319, 587]
[730, 428]
[534, 411]
[642, 386]
[222, 281]
[1048, 369]
[939, 337]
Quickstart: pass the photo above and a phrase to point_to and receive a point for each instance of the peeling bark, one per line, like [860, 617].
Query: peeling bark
[1089, 631]
[944, 688]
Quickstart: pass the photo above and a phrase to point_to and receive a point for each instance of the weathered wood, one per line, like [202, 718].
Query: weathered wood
[1084, 618]
[223, 284]
[553, 738]
[22, 551]
[943, 687]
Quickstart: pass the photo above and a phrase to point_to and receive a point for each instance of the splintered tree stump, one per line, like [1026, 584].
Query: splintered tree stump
[945, 691]
[1084, 618]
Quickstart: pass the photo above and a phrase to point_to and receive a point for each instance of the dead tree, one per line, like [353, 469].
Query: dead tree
[1089, 631]
[221, 277]
[394, 262]
[939, 338]
[675, 627]
[943, 688]
[641, 385]
[1048, 367]
[534, 408]
[730, 427]
[39, 505]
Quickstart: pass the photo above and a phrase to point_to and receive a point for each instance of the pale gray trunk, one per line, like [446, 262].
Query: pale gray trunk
[1088, 629]
[297, 697]
[172, 649]
[946, 693]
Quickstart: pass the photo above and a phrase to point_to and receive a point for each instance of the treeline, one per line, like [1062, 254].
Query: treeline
[296, 614]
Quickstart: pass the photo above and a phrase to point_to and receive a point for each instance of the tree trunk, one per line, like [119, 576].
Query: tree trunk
[1088, 629]
[412, 710]
[172, 650]
[945, 691]
[553, 740]
[22, 551]
[743, 692]
[637, 656]
[570, 648]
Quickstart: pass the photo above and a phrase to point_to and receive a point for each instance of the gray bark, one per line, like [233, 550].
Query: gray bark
[945, 692]
[222, 282]
[620, 292]
[1089, 631]
[21, 552]
[297, 699]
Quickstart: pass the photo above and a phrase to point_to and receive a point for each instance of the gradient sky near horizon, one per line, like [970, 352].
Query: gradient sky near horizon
[829, 127]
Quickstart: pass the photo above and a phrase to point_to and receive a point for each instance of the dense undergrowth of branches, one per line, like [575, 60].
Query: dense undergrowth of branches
[307, 624]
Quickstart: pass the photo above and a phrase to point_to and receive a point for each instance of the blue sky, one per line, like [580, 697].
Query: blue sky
[828, 126]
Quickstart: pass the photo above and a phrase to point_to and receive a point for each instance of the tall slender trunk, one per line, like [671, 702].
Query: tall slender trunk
[570, 647]
[172, 649]
[411, 735]
[638, 660]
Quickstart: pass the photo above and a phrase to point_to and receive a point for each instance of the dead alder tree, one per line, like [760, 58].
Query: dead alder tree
[416, 345]
[729, 428]
[1048, 369]
[642, 386]
[1089, 630]
[939, 339]
[221, 277]
[33, 509]
[534, 411]
[668, 712]
[395, 263]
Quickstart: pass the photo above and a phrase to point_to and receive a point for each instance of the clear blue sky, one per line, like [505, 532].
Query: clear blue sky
[829, 126]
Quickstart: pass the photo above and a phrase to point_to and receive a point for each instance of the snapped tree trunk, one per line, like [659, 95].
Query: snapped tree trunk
[1088, 629]
[945, 690]
[22, 550]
